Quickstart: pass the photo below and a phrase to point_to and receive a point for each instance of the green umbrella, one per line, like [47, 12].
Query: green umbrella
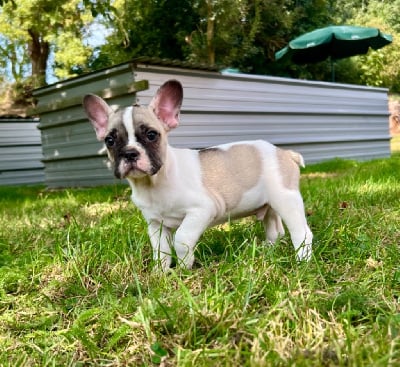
[334, 42]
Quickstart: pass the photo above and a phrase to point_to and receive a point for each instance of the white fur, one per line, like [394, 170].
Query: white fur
[178, 199]
[127, 120]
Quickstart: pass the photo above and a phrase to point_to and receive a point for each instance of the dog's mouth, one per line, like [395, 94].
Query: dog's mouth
[135, 162]
[136, 169]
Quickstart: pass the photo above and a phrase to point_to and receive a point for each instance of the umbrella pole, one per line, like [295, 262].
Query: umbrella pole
[332, 69]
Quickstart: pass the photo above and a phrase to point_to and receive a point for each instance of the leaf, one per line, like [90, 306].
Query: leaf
[158, 349]
[159, 353]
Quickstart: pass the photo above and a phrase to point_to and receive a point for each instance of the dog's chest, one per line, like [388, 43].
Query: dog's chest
[174, 192]
[166, 208]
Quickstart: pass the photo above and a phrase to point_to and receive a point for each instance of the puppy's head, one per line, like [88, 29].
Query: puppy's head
[136, 136]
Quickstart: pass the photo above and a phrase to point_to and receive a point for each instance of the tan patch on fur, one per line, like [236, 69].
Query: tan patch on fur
[145, 115]
[228, 174]
[289, 162]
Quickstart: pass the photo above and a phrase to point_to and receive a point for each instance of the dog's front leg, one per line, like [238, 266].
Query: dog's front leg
[160, 238]
[186, 237]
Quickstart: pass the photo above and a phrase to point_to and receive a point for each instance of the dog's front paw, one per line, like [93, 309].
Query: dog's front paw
[185, 257]
[163, 264]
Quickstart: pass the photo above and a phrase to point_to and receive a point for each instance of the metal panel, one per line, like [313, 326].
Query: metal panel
[20, 152]
[320, 120]
[84, 171]
[109, 83]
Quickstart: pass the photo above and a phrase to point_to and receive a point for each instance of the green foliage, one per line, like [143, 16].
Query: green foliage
[77, 284]
[243, 34]
[31, 29]
[378, 68]
[246, 34]
[148, 28]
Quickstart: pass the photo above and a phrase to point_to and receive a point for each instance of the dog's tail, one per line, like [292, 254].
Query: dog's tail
[298, 158]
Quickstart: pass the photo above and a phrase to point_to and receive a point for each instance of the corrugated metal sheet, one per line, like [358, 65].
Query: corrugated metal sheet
[320, 120]
[20, 152]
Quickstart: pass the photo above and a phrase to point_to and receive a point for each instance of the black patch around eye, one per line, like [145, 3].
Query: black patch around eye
[146, 135]
[150, 140]
[109, 141]
[116, 141]
[152, 135]
[116, 138]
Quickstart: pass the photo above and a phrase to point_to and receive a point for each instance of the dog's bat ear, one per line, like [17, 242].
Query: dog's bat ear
[98, 112]
[167, 102]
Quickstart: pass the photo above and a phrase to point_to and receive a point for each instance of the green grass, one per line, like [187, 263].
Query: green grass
[77, 286]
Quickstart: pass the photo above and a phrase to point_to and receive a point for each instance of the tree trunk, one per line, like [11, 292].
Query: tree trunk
[39, 50]
[210, 32]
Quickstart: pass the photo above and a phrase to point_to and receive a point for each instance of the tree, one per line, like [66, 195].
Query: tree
[31, 29]
[219, 22]
[247, 33]
[154, 28]
[244, 34]
[382, 67]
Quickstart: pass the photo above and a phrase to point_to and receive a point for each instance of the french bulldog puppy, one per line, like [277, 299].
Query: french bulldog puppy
[190, 190]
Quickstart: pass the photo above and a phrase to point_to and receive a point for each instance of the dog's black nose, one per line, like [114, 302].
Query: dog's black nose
[131, 155]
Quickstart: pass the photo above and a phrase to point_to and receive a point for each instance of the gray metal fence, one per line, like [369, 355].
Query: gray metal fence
[20, 152]
[320, 120]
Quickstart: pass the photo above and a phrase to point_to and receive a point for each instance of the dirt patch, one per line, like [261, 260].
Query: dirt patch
[10, 105]
[319, 175]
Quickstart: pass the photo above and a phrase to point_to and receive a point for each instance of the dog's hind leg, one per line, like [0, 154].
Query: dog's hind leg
[289, 206]
[272, 225]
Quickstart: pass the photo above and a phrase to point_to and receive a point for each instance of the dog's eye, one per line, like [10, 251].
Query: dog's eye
[152, 135]
[109, 140]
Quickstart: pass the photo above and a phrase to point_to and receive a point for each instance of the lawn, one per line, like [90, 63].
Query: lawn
[77, 286]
